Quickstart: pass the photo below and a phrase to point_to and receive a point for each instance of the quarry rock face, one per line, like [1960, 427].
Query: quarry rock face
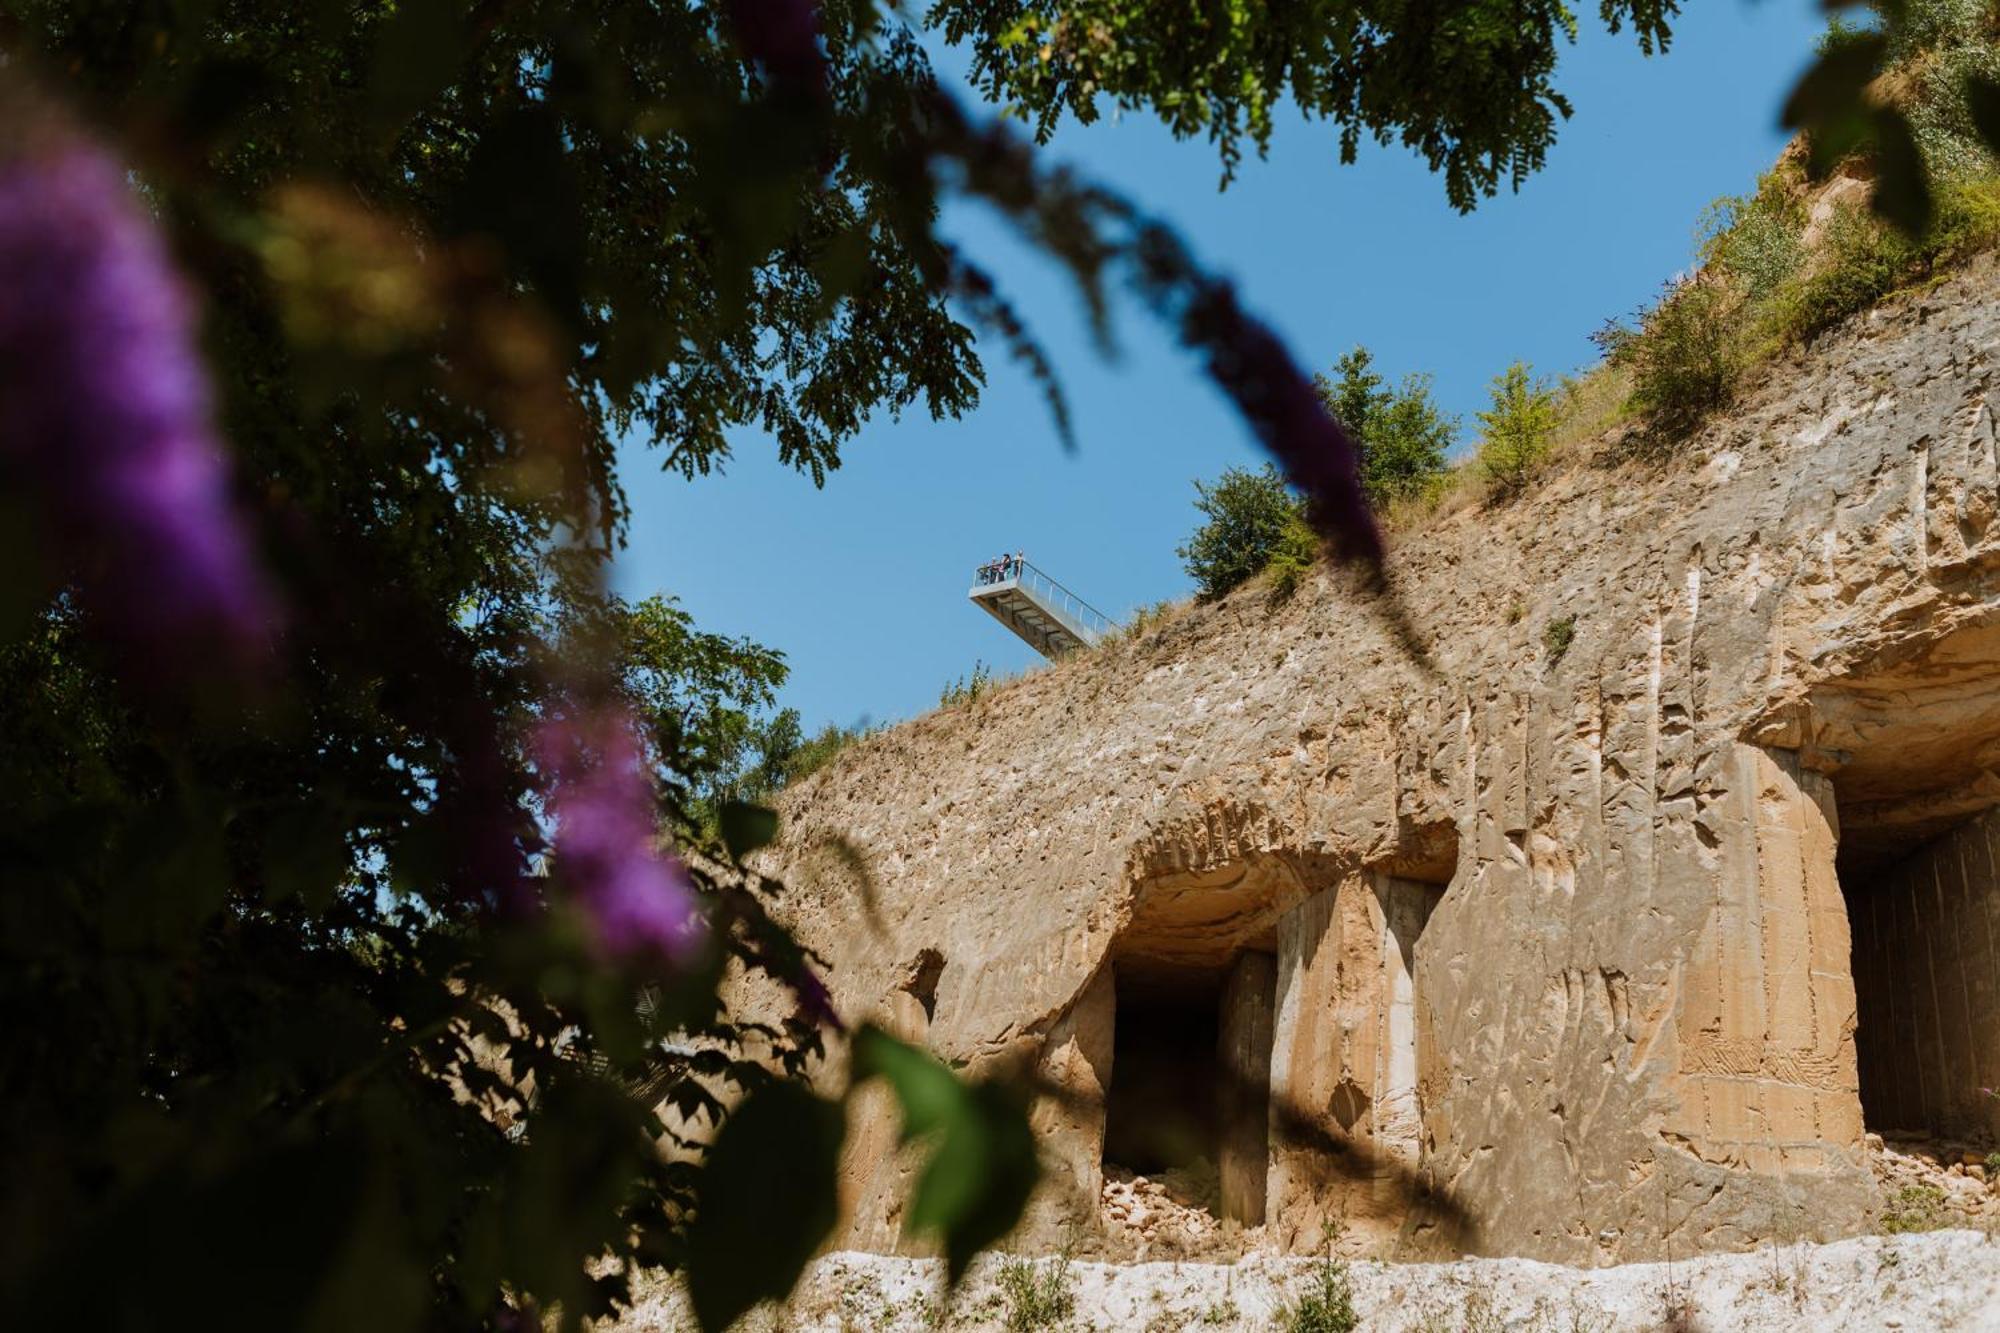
[1602, 930]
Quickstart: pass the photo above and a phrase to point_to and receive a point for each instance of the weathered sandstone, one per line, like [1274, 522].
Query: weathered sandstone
[1587, 955]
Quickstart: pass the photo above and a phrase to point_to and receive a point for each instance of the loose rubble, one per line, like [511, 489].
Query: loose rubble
[1927, 1184]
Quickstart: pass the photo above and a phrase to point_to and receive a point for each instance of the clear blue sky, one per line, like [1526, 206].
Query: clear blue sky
[862, 585]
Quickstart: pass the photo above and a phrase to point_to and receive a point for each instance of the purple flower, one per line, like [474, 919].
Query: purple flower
[1251, 364]
[815, 1001]
[637, 899]
[104, 411]
[783, 36]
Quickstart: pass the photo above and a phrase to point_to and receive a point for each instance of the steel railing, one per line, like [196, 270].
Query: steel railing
[1021, 574]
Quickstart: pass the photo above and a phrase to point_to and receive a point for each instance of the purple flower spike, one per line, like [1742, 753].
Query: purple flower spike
[1251, 364]
[637, 899]
[104, 411]
[783, 36]
[815, 1001]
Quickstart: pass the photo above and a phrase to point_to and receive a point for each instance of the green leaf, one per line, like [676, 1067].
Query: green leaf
[766, 1203]
[979, 1179]
[1982, 99]
[1833, 87]
[419, 48]
[927, 1091]
[746, 827]
[305, 855]
[984, 1167]
[1902, 197]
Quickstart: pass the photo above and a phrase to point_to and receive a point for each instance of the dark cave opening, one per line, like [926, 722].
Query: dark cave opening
[1922, 920]
[1162, 1112]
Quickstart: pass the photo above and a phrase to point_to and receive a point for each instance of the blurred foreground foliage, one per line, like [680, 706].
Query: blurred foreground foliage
[309, 1028]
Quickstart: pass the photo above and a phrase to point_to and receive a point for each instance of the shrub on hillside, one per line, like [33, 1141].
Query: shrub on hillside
[1557, 636]
[1520, 426]
[817, 751]
[1297, 549]
[1248, 518]
[1761, 289]
[1915, 1208]
[1686, 355]
[778, 753]
[1756, 239]
[1039, 1296]
[1941, 117]
[1400, 431]
[1860, 264]
[1927, 25]
[1863, 260]
[967, 690]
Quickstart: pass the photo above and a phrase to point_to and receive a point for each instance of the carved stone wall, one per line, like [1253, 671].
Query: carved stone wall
[1563, 940]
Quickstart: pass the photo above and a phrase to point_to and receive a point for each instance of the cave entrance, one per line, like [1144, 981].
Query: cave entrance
[1924, 921]
[1189, 1102]
[1912, 746]
[1194, 977]
[1162, 1110]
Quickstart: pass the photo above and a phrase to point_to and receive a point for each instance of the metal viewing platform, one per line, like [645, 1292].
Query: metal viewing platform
[1052, 619]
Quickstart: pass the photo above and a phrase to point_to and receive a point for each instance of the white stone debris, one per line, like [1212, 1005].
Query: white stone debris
[1935, 1282]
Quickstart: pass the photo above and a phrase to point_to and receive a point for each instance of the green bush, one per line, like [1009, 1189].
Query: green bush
[1520, 426]
[1864, 261]
[967, 690]
[1249, 517]
[1038, 1296]
[1142, 620]
[1760, 290]
[1756, 239]
[1929, 24]
[818, 750]
[1915, 1208]
[1941, 117]
[1292, 559]
[1400, 430]
[1557, 636]
[1327, 1304]
[1687, 354]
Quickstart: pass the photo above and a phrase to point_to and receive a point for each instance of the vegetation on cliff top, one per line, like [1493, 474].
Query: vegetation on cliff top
[1777, 267]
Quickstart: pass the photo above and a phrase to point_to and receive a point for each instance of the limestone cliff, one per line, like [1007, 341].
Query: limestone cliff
[1580, 953]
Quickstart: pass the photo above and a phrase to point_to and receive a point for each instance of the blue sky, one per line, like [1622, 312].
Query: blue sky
[862, 585]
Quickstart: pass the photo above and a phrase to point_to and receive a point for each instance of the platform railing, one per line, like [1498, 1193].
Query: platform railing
[1022, 574]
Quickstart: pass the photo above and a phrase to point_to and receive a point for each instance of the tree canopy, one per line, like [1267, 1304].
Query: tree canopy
[1248, 517]
[1400, 432]
[1469, 87]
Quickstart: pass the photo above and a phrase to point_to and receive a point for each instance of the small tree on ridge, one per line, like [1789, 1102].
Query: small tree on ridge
[1248, 515]
[1519, 427]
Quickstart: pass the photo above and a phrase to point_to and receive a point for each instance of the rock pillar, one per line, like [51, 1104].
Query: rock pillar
[1346, 1125]
[1244, 1055]
[1766, 1032]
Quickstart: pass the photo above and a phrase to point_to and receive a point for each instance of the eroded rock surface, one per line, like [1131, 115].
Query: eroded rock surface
[1562, 946]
